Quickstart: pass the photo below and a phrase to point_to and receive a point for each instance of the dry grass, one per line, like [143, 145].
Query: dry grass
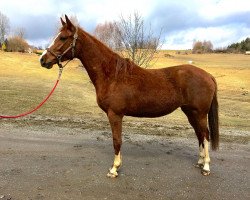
[24, 84]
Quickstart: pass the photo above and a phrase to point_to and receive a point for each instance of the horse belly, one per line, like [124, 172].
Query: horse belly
[154, 107]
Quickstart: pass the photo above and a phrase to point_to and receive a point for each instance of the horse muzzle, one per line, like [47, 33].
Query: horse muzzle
[45, 64]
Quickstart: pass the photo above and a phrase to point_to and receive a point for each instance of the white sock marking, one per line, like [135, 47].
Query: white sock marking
[206, 158]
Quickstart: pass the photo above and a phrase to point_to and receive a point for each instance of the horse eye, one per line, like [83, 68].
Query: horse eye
[63, 38]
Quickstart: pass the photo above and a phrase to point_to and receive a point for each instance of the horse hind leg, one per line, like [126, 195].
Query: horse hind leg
[199, 123]
[204, 159]
[200, 163]
[206, 169]
[202, 133]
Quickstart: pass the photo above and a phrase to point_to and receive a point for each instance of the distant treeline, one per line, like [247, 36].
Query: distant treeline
[242, 46]
[239, 47]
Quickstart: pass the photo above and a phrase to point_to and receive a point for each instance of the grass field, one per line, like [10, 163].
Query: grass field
[24, 83]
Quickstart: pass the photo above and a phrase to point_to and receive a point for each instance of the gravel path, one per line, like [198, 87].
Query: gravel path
[50, 162]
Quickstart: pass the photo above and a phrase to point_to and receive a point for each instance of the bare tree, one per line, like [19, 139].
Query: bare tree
[139, 41]
[131, 37]
[20, 32]
[109, 34]
[4, 26]
[208, 46]
[202, 47]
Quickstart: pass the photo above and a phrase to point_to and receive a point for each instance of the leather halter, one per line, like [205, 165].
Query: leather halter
[71, 46]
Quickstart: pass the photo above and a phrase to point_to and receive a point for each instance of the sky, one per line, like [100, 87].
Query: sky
[182, 21]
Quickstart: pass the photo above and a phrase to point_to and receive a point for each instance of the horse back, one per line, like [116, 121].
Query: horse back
[153, 92]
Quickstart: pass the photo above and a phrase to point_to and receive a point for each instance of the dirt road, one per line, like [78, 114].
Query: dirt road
[52, 162]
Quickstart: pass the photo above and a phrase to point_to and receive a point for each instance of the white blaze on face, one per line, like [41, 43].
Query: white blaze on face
[44, 52]
[53, 42]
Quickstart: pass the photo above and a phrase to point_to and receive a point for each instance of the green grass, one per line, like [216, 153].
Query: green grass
[24, 83]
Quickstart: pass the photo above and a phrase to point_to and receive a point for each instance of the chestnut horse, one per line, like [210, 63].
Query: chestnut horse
[124, 89]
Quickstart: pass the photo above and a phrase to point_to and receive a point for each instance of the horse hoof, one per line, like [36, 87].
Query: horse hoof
[205, 172]
[112, 174]
[200, 166]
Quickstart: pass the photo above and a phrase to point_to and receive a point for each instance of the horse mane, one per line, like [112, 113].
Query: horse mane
[122, 66]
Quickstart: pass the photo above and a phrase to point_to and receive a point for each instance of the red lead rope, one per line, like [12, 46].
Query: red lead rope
[31, 111]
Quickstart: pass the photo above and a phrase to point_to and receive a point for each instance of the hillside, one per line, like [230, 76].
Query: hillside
[24, 84]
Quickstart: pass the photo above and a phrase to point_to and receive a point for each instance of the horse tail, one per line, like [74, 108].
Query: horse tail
[213, 120]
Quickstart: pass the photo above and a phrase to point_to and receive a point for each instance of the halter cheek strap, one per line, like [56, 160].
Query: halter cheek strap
[71, 46]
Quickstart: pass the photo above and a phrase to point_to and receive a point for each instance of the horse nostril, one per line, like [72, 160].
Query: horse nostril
[42, 61]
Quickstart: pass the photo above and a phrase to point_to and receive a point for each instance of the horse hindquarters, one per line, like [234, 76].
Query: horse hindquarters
[201, 110]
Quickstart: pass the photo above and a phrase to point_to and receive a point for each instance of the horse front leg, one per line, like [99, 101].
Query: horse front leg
[116, 126]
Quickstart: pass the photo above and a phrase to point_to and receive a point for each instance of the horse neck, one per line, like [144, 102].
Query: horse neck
[95, 57]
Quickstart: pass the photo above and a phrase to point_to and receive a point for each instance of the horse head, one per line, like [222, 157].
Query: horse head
[63, 46]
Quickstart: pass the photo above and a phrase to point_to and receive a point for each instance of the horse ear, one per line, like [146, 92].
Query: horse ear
[63, 22]
[69, 24]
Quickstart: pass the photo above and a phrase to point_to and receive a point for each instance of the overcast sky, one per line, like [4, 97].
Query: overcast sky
[183, 21]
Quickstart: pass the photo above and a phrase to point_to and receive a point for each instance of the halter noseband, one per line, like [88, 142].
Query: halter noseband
[71, 46]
